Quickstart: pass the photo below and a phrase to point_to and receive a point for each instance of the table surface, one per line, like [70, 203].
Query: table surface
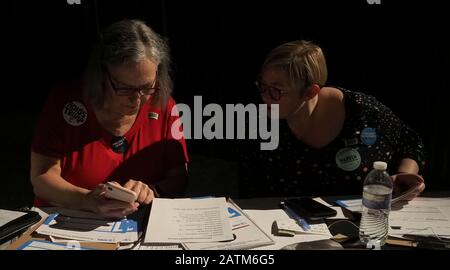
[344, 228]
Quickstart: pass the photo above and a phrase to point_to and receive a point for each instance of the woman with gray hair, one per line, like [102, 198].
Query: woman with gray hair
[115, 126]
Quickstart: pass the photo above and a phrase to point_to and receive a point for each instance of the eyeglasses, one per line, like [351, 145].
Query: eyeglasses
[274, 93]
[145, 90]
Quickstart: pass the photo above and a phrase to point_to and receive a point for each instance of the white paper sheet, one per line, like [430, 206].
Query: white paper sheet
[160, 247]
[188, 220]
[422, 216]
[89, 229]
[290, 224]
[8, 216]
[352, 205]
[265, 219]
[246, 234]
[45, 245]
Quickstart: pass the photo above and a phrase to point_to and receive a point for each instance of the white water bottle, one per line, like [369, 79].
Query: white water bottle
[376, 205]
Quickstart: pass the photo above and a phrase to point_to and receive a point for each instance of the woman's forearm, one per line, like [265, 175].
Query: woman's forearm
[59, 192]
[45, 175]
[408, 165]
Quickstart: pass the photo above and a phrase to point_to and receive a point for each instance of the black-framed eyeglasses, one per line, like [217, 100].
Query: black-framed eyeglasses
[145, 90]
[274, 93]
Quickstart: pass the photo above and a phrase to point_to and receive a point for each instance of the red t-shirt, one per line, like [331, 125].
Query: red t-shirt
[68, 129]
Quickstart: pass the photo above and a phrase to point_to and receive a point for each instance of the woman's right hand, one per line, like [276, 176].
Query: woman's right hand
[407, 182]
[96, 202]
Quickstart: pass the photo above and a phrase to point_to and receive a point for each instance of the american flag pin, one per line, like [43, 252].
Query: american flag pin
[153, 115]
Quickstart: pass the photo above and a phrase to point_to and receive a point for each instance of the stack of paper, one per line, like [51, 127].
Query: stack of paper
[188, 220]
[422, 216]
[201, 224]
[291, 225]
[351, 205]
[265, 219]
[246, 233]
[46, 245]
[87, 227]
[7, 216]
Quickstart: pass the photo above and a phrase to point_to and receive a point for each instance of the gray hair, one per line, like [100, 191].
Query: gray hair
[123, 42]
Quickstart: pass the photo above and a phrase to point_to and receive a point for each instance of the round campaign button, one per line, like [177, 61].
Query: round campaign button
[75, 113]
[369, 136]
[348, 159]
[119, 144]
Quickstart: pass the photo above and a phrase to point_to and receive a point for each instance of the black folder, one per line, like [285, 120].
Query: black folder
[17, 226]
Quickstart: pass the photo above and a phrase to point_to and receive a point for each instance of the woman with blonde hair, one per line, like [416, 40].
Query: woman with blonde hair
[329, 136]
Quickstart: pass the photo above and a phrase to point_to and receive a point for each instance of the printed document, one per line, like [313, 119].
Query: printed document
[8, 216]
[422, 216]
[246, 233]
[83, 226]
[188, 220]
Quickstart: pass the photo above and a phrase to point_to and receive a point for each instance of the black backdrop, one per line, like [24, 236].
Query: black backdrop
[397, 51]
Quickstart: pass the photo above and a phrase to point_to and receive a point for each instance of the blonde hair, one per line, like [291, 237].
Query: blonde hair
[123, 42]
[303, 61]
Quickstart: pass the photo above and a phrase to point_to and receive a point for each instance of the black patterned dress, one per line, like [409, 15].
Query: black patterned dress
[371, 132]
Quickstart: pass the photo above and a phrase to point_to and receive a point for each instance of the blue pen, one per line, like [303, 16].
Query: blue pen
[305, 226]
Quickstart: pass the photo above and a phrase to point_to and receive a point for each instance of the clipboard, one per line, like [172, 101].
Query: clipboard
[18, 225]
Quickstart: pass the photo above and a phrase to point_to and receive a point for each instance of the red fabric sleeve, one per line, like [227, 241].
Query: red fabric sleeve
[48, 134]
[176, 151]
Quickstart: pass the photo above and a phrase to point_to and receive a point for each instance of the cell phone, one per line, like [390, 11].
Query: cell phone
[119, 193]
[308, 208]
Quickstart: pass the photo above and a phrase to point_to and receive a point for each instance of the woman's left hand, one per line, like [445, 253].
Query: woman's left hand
[405, 181]
[145, 194]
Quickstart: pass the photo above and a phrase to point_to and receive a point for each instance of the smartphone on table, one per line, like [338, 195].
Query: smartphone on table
[308, 208]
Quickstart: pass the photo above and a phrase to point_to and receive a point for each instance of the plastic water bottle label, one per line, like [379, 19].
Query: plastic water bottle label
[374, 201]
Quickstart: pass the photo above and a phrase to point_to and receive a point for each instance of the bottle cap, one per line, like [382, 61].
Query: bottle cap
[380, 165]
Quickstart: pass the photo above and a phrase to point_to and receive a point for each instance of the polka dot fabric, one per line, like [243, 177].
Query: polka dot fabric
[371, 132]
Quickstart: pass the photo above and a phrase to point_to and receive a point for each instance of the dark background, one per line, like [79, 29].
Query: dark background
[397, 51]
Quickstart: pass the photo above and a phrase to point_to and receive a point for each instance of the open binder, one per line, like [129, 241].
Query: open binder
[15, 222]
